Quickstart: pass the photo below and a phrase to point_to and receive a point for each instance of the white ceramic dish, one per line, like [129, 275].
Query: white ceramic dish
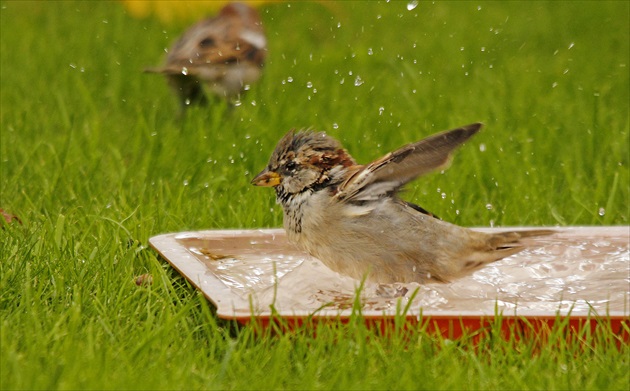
[579, 272]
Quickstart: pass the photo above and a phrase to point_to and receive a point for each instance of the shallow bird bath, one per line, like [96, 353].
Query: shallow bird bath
[580, 272]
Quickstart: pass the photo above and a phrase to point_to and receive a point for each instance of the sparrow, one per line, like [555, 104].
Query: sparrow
[226, 53]
[350, 217]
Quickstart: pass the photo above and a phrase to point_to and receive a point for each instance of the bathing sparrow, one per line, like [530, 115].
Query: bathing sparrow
[226, 53]
[350, 217]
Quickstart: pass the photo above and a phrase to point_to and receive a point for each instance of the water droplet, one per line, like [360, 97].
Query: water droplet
[554, 85]
[601, 211]
[489, 206]
[380, 110]
[290, 79]
[237, 103]
[184, 71]
[443, 195]
[482, 147]
[309, 84]
[335, 125]
[185, 182]
[412, 5]
[571, 45]
[246, 87]
[358, 81]
[370, 52]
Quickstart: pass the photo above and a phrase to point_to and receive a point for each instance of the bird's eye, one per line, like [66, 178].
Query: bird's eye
[291, 165]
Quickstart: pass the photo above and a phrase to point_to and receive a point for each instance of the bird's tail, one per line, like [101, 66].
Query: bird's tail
[497, 246]
[511, 239]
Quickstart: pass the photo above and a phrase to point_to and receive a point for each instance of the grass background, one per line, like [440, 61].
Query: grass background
[94, 160]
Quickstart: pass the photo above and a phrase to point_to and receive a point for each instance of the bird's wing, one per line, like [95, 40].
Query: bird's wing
[388, 174]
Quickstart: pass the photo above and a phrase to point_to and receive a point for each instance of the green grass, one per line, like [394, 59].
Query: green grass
[95, 161]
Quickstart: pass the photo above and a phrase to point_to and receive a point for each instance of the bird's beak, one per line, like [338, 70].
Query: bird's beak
[267, 179]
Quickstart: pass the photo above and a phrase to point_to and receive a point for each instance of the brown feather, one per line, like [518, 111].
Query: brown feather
[397, 168]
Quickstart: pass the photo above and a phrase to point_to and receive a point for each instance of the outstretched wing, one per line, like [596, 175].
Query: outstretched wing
[388, 174]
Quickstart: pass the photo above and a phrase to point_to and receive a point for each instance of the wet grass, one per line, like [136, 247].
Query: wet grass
[95, 161]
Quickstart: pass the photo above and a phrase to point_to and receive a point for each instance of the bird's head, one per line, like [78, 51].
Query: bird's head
[302, 161]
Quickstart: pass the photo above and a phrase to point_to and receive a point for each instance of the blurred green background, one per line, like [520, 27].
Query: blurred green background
[83, 127]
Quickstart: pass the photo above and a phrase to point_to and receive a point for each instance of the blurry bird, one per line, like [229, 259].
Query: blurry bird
[226, 53]
[350, 217]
